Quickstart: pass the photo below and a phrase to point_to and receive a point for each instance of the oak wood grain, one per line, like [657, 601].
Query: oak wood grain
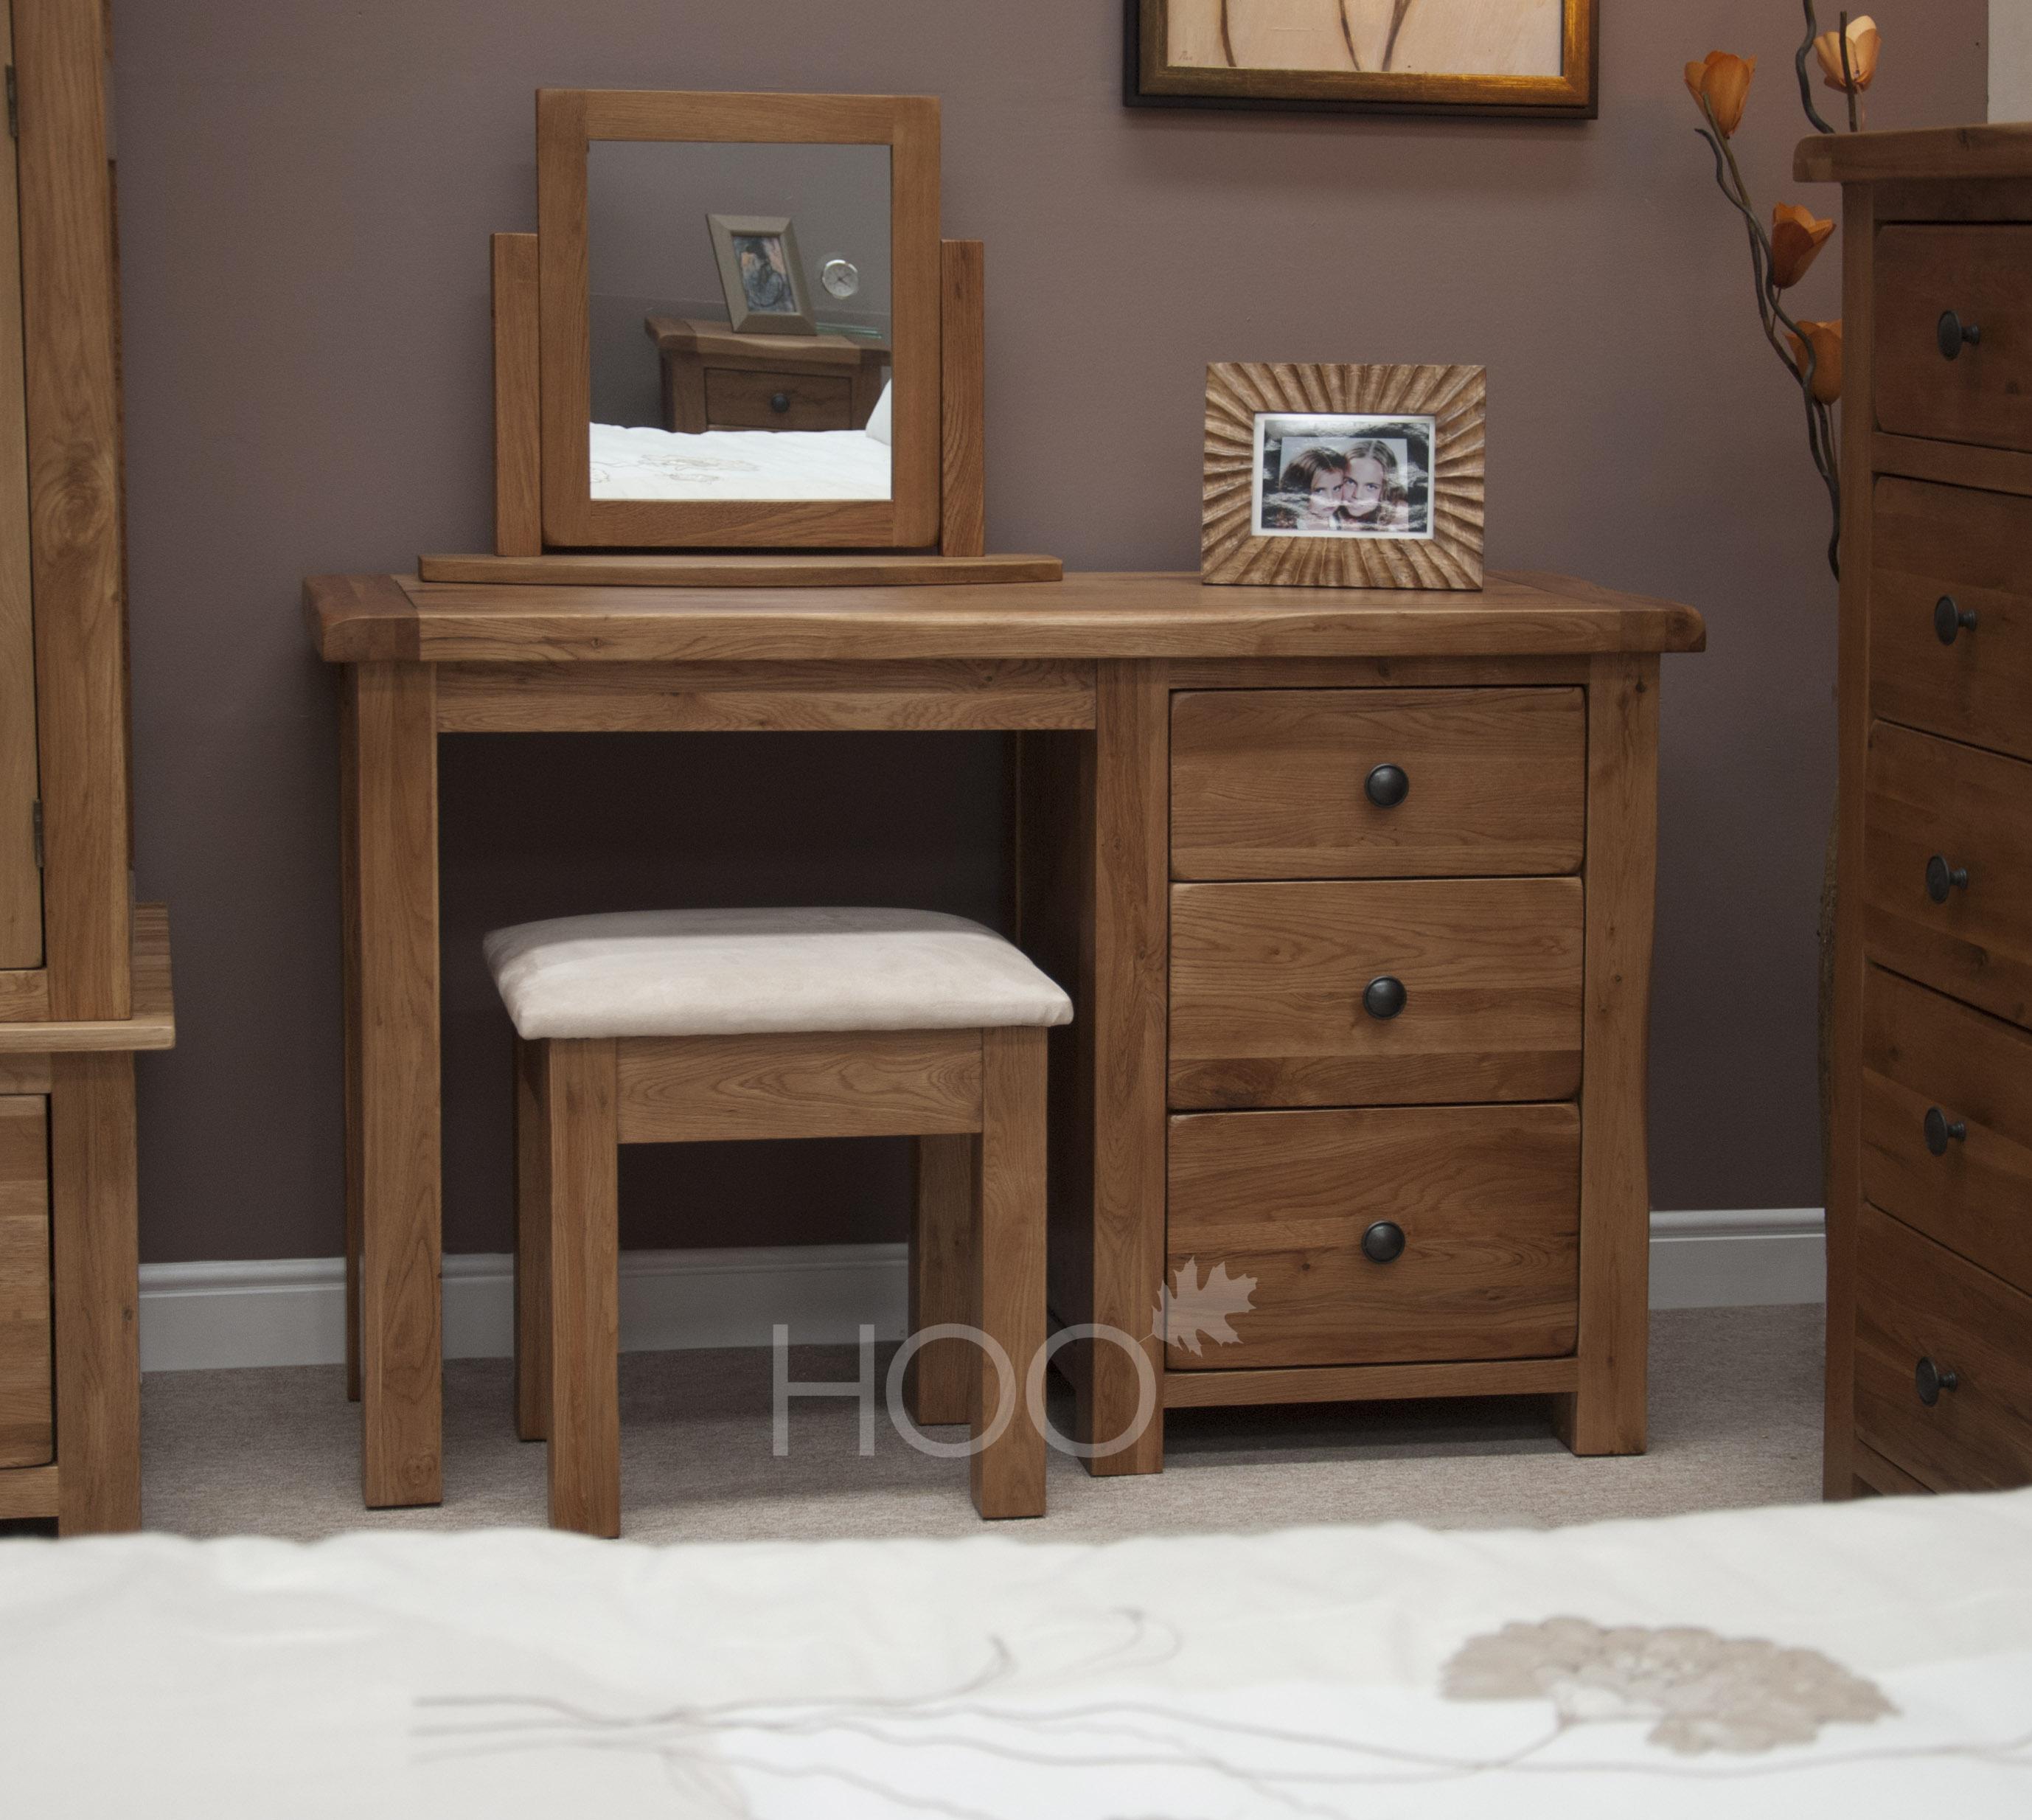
[963, 395]
[518, 431]
[533, 1241]
[24, 1074]
[1127, 617]
[95, 1269]
[1953, 463]
[28, 1400]
[1982, 272]
[1876, 1477]
[1975, 548]
[1271, 784]
[1607, 1412]
[1007, 1248]
[1916, 1300]
[1955, 152]
[24, 997]
[1929, 796]
[938, 1383]
[1268, 982]
[1486, 1198]
[1011, 694]
[1368, 1383]
[152, 1025]
[21, 878]
[29, 1492]
[583, 1278]
[682, 568]
[1922, 1052]
[858, 1084]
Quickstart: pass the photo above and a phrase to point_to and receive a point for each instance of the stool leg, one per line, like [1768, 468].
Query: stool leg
[532, 1245]
[582, 1137]
[938, 1385]
[1008, 1262]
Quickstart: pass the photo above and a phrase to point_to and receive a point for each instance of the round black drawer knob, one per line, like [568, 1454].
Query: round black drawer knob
[1942, 878]
[1387, 785]
[1929, 1381]
[1942, 1131]
[1951, 619]
[1956, 334]
[1385, 998]
[779, 402]
[1383, 1243]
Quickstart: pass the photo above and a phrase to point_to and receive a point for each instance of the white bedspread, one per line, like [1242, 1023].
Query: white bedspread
[1625, 1669]
[643, 464]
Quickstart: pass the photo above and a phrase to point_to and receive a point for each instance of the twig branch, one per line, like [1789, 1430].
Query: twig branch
[1799, 63]
[1848, 78]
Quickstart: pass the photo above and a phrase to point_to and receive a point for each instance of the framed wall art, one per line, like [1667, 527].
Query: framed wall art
[761, 275]
[1524, 58]
[1343, 477]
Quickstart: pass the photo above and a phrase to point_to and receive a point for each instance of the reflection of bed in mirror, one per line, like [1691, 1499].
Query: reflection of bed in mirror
[637, 463]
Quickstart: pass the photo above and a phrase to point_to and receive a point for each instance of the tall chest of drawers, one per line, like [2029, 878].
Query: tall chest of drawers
[1387, 922]
[1930, 1198]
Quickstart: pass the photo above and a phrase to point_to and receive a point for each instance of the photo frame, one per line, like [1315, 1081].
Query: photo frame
[1344, 476]
[761, 275]
[1522, 59]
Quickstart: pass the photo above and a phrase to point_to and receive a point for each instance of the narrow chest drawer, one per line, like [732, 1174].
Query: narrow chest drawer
[1395, 992]
[1929, 1324]
[1948, 867]
[1399, 1234]
[740, 401]
[1950, 613]
[27, 1427]
[1377, 783]
[1979, 274]
[1947, 1123]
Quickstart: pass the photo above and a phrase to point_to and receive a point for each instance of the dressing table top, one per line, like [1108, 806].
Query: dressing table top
[369, 618]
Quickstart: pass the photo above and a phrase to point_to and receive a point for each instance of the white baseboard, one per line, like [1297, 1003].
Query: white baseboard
[292, 1311]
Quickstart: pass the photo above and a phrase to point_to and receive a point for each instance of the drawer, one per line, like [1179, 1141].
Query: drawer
[1929, 800]
[1486, 1198]
[1982, 272]
[1967, 1181]
[1276, 782]
[1271, 1005]
[1974, 550]
[739, 401]
[1916, 1300]
[27, 1430]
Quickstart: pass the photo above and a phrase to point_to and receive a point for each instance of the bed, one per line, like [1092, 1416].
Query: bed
[1864, 1660]
[651, 464]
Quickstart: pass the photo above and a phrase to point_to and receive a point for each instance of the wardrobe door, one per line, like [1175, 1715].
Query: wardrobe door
[21, 876]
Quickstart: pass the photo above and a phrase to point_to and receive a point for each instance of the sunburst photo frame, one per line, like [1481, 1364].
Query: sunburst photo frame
[1343, 477]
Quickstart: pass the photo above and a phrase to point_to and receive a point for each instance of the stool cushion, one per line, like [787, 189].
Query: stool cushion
[722, 973]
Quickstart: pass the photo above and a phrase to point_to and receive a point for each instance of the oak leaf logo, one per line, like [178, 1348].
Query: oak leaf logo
[1190, 1308]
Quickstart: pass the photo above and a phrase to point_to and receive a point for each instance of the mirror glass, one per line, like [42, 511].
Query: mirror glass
[739, 321]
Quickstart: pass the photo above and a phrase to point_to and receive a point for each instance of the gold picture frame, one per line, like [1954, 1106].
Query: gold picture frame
[1357, 56]
[1343, 477]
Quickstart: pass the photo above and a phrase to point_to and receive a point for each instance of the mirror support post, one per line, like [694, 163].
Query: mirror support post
[962, 387]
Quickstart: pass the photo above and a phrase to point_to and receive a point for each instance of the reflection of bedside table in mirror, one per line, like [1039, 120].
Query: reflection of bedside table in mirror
[714, 379]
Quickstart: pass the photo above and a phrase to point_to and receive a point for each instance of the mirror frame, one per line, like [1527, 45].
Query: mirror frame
[568, 121]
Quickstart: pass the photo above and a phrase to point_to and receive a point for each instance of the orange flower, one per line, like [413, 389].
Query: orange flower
[1796, 240]
[1863, 42]
[1826, 341]
[1721, 86]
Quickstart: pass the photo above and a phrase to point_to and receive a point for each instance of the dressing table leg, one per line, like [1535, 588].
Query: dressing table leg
[1125, 1010]
[389, 769]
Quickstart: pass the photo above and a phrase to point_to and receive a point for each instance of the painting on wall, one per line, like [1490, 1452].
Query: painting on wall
[1516, 58]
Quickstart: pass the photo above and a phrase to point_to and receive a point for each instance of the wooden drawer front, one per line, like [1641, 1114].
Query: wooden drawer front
[1916, 1300]
[1267, 984]
[1272, 783]
[1929, 797]
[26, 1428]
[1923, 1054]
[1974, 549]
[1983, 273]
[1486, 1198]
[736, 401]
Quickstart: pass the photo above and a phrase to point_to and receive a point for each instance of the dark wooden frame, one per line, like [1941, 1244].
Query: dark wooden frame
[568, 120]
[1147, 82]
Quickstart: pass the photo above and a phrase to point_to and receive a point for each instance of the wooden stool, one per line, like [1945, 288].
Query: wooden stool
[679, 1027]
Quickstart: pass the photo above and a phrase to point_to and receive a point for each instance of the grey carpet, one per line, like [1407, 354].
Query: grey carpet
[1735, 1414]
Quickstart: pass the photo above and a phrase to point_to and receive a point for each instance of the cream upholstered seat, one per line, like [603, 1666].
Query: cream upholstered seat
[718, 973]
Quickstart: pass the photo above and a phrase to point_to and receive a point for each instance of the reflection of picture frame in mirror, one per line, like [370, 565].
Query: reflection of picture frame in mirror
[569, 121]
[1344, 476]
[761, 275]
